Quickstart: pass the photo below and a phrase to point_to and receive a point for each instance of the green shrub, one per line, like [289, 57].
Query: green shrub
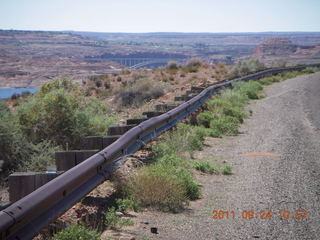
[250, 89]
[185, 138]
[55, 117]
[14, 148]
[226, 170]
[205, 166]
[308, 70]
[171, 159]
[41, 157]
[225, 125]
[76, 232]
[17, 152]
[127, 204]
[204, 118]
[61, 116]
[60, 83]
[4, 110]
[235, 112]
[111, 219]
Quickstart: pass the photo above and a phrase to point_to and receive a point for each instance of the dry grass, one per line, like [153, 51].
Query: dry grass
[157, 189]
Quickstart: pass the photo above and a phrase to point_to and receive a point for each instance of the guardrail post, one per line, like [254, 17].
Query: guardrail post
[23, 183]
[68, 159]
[92, 142]
[108, 140]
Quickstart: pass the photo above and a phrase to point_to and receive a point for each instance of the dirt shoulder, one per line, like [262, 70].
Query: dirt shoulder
[287, 123]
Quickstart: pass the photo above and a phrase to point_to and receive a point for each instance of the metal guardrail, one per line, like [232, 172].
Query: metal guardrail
[26, 217]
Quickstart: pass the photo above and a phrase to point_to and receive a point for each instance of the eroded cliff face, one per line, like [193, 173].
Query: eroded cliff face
[275, 46]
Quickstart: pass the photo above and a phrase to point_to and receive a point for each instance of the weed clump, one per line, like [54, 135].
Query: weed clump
[207, 166]
[162, 186]
[76, 232]
[225, 113]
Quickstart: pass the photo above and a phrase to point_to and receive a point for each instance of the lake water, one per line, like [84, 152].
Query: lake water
[8, 92]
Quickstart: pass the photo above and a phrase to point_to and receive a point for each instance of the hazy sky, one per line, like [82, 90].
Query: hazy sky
[161, 15]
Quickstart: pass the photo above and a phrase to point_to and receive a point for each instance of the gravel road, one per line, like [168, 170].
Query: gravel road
[286, 122]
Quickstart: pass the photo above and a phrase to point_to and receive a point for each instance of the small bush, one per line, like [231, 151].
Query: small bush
[204, 118]
[15, 96]
[157, 186]
[186, 138]
[245, 67]
[41, 157]
[308, 71]
[125, 204]
[76, 232]
[269, 80]
[164, 186]
[225, 125]
[226, 170]
[107, 85]
[250, 89]
[4, 110]
[59, 83]
[235, 112]
[139, 92]
[14, 148]
[25, 94]
[192, 66]
[194, 62]
[111, 219]
[172, 65]
[98, 83]
[205, 166]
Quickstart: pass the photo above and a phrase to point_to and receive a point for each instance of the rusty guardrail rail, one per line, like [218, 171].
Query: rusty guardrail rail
[26, 217]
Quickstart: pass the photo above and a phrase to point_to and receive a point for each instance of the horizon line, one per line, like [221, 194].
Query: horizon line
[157, 32]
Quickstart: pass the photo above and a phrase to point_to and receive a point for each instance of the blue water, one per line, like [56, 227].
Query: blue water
[8, 92]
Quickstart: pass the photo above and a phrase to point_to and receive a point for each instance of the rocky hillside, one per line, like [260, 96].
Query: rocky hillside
[281, 49]
[275, 46]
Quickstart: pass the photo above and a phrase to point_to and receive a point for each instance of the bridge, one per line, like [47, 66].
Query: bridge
[135, 63]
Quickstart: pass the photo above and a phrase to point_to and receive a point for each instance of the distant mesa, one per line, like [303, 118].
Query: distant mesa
[275, 46]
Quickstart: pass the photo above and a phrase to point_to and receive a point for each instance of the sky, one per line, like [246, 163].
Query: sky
[161, 15]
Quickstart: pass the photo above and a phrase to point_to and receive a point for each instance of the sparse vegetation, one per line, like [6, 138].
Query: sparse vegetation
[140, 91]
[167, 183]
[76, 232]
[172, 65]
[245, 67]
[162, 186]
[121, 205]
[207, 166]
[225, 113]
[192, 66]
